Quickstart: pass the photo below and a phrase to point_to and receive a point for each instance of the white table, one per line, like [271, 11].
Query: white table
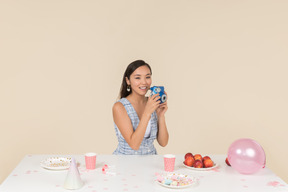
[136, 173]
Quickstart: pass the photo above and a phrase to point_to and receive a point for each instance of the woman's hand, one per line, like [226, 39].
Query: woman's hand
[162, 108]
[152, 104]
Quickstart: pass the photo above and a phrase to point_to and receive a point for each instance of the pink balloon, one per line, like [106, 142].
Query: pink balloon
[246, 156]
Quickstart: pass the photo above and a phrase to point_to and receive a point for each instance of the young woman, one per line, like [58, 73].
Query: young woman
[139, 120]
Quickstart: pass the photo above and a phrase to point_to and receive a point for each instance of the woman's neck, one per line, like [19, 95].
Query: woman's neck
[137, 99]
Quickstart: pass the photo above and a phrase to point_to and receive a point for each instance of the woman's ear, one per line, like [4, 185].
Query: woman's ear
[127, 81]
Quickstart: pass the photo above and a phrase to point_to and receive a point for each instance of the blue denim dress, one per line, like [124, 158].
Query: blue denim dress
[147, 146]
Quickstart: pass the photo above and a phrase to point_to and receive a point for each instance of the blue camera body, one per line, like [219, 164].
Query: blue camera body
[160, 91]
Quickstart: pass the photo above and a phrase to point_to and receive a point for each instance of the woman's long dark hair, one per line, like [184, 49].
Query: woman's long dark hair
[129, 70]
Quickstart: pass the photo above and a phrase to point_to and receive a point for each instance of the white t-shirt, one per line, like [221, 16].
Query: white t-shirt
[148, 129]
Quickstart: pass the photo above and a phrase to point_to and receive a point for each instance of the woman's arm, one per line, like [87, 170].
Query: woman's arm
[124, 125]
[123, 122]
[163, 135]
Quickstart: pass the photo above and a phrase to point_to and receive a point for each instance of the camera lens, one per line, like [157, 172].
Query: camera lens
[163, 98]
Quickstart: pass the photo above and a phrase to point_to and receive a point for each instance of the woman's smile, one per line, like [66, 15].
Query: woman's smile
[143, 88]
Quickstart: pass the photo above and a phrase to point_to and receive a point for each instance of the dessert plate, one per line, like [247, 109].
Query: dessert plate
[56, 163]
[176, 180]
[201, 169]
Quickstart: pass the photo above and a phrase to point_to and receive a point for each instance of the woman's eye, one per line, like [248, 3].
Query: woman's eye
[137, 78]
[148, 77]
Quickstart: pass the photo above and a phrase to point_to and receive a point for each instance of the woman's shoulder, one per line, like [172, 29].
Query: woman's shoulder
[120, 107]
[120, 103]
[123, 100]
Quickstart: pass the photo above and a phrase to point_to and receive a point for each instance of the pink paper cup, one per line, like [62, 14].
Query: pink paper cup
[169, 162]
[90, 160]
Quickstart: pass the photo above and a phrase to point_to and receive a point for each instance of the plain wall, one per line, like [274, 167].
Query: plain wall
[223, 65]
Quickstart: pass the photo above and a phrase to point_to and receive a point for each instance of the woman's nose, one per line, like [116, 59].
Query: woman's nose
[143, 81]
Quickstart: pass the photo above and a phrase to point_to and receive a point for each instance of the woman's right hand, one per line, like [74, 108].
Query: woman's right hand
[152, 104]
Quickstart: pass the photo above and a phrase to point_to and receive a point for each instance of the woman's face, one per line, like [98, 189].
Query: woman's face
[140, 80]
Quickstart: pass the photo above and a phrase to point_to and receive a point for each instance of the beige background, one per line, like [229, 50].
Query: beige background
[223, 64]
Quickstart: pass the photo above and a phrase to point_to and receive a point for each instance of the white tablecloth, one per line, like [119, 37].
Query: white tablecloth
[136, 173]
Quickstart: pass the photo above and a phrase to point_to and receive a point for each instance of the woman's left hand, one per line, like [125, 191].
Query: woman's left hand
[163, 107]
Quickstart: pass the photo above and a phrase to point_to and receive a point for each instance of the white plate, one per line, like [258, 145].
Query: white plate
[201, 169]
[177, 177]
[56, 163]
